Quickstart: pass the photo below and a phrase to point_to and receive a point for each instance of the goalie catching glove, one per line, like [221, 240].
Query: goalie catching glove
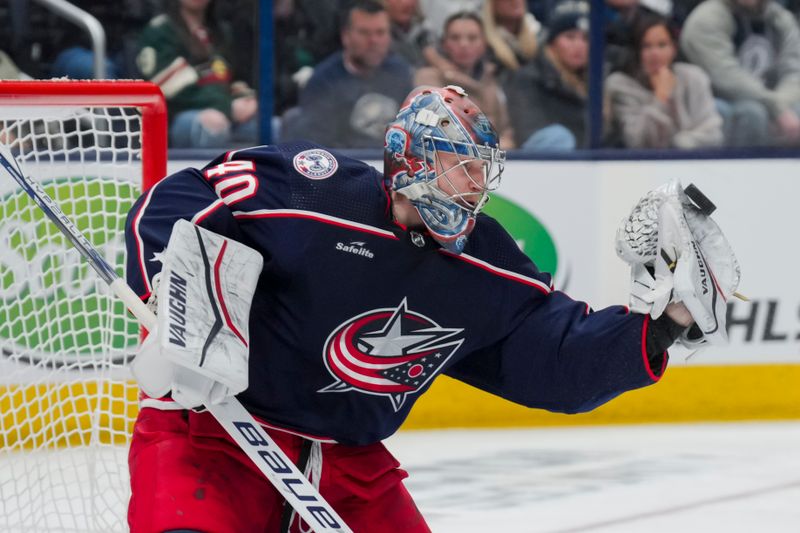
[678, 253]
[199, 349]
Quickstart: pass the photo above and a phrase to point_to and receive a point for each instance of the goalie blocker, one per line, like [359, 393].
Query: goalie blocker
[199, 350]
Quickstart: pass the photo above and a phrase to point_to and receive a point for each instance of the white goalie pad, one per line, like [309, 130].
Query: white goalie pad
[678, 254]
[200, 347]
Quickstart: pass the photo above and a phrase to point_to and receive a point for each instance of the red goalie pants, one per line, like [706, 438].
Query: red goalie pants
[186, 473]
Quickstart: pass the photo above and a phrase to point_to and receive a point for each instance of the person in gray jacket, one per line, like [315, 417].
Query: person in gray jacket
[751, 51]
[547, 96]
[660, 103]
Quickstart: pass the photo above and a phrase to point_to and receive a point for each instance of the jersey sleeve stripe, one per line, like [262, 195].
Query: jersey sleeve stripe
[202, 215]
[645, 358]
[140, 243]
[502, 272]
[318, 217]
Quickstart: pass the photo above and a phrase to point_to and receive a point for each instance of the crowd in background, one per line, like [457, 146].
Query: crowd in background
[679, 73]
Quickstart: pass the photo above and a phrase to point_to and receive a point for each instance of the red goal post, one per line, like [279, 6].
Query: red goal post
[67, 401]
[143, 95]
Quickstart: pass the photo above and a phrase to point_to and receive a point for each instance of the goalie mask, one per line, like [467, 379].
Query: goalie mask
[440, 141]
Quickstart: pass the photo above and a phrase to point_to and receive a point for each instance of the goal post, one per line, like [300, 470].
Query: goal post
[67, 94]
[67, 401]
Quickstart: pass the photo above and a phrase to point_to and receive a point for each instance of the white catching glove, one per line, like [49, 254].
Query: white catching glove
[678, 253]
[199, 349]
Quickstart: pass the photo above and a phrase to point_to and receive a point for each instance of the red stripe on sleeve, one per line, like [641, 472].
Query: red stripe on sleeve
[645, 358]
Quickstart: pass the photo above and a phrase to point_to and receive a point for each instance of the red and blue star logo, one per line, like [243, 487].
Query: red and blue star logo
[389, 352]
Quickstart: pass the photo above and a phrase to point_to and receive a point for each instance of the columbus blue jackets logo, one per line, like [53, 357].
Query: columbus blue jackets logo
[315, 164]
[390, 352]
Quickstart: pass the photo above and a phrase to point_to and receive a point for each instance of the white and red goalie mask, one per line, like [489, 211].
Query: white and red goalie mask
[433, 122]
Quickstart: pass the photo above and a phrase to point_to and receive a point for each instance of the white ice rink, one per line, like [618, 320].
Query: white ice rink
[731, 478]
[709, 478]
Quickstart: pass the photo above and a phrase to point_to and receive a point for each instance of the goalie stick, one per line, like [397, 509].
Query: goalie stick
[231, 414]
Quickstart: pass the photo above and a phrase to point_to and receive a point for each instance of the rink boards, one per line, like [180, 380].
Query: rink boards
[565, 215]
[684, 394]
[579, 206]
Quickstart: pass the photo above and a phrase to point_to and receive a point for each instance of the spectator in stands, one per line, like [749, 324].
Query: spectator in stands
[660, 103]
[436, 12]
[309, 32]
[410, 37]
[622, 17]
[355, 92]
[242, 15]
[464, 45]
[751, 51]
[122, 21]
[44, 44]
[547, 97]
[183, 51]
[540, 9]
[511, 32]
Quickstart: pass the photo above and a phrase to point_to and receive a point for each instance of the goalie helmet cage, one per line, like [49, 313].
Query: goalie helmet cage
[67, 401]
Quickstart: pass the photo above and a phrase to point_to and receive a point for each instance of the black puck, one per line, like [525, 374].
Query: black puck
[702, 202]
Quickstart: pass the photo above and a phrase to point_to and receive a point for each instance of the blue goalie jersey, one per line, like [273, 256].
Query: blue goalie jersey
[354, 315]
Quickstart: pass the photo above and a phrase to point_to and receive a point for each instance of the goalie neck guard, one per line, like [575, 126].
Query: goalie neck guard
[432, 122]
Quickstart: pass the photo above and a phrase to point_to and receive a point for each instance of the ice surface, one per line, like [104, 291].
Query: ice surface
[709, 478]
[730, 478]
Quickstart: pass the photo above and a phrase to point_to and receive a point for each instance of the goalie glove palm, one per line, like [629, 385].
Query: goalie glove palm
[678, 254]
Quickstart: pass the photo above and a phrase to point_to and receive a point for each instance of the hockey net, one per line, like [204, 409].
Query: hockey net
[67, 402]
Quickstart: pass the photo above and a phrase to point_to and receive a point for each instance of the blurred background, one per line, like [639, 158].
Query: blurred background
[597, 102]
[554, 76]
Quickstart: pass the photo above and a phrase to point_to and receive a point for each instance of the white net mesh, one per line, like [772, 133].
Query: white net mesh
[66, 400]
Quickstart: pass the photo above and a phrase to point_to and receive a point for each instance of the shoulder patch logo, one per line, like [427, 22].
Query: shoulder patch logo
[315, 164]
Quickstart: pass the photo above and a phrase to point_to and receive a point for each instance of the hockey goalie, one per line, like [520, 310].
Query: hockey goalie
[344, 292]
